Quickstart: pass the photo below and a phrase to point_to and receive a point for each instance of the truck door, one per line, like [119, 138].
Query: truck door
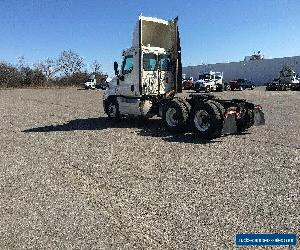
[165, 72]
[150, 75]
[127, 82]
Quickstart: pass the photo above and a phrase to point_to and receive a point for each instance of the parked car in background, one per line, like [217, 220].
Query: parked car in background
[241, 84]
[188, 83]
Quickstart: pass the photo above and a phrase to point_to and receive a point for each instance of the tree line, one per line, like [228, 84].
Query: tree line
[69, 69]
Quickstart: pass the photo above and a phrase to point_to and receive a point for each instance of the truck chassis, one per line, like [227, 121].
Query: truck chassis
[203, 114]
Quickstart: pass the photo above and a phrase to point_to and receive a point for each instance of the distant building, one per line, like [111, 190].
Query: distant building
[259, 71]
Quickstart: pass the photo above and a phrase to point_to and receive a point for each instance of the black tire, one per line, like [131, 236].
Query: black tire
[185, 103]
[219, 88]
[175, 115]
[112, 109]
[207, 89]
[222, 111]
[245, 122]
[206, 120]
[196, 88]
[220, 108]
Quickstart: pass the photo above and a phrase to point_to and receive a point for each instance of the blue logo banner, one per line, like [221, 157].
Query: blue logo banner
[266, 239]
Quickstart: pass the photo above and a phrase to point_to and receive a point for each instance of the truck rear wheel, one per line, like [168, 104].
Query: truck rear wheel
[175, 115]
[207, 120]
[220, 108]
[220, 88]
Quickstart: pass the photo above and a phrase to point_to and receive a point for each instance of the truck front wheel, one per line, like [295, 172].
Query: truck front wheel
[112, 108]
[207, 120]
[175, 116]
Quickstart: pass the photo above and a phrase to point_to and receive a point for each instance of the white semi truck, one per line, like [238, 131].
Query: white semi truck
[289, 79]
[150, 78]
[210, 81]
[91, 82]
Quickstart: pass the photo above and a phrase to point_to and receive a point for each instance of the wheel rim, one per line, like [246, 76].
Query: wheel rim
[171, 118]
[201, 120]
[112, 110]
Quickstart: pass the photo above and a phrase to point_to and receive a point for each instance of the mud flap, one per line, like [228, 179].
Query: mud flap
[229, 125]
[259, 117]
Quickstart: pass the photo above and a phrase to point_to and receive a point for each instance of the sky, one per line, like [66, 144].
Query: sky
[212, 31]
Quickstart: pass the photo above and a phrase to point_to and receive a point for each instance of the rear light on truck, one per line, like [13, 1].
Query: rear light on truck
[230, 111]
[258, 107]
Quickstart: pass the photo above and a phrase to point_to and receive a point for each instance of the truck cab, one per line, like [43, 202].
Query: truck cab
[149, 69]
[288, 76]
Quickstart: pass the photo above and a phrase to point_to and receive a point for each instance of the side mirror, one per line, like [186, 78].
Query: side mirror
[116, 66]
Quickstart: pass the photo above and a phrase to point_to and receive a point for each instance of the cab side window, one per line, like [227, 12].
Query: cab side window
[164, 62]
[150, 62]
[127, 65]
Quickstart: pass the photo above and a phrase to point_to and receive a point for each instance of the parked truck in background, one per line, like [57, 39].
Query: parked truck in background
[276, 84]
[151, 77]
[210, 81]
[288, 79]
[91, 82]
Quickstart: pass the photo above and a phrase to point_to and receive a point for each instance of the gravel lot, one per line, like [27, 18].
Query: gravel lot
[69, 179]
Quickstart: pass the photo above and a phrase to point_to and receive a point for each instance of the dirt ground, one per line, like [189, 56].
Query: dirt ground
[69, 179]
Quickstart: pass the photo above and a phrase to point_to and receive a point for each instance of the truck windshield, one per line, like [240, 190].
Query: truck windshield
[164, 62]
[150, 62]
[204, 77]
